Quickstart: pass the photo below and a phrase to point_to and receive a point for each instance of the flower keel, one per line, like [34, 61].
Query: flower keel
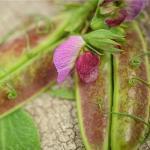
[88, 67]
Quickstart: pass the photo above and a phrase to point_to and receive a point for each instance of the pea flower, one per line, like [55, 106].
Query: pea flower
[134, 8]
[129, 11]
[87, 67]
[66, 58]
[112, 22]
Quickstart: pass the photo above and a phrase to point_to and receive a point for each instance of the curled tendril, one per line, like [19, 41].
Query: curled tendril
[47, 22]
[11, 92]
[12, 95]
[134, 80]
[48, 26]
[136, 61]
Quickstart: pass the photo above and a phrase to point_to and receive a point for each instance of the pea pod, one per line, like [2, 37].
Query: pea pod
[131, 93]
[26, 79]
[94, 105]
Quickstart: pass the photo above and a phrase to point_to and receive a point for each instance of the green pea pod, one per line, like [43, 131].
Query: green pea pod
[131, 98]
[94, 104]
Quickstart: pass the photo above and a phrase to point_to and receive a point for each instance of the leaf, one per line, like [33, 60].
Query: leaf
[119, 31]
[62, 92]
[105, 40]
[19, 132]
[105, 45]
[103, 34]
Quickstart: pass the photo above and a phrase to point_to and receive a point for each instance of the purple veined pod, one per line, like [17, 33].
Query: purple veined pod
[130, 100]
[94, 102]
[19, 85]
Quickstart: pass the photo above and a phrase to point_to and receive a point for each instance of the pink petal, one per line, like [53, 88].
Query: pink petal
[134, 7]
[87, 67]
[65, 56]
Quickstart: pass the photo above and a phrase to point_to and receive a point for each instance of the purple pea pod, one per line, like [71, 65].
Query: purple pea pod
[94, 104]
[24, 70]
[131, 100]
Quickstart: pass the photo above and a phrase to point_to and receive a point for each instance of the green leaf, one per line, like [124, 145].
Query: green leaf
[103, 34]
[104, 45]
[118, 30]
[18, 132]
[105, 40]
[62, 92]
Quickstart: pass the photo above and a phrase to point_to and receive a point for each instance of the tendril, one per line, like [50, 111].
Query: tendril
[136, 61]
[28, 46]
[47, 22]
[136, 118]
[12, 93]
[99, 103]
[146, 135]
[134, 80]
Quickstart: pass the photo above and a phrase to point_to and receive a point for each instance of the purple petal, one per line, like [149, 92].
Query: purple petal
[113, 22]
[134, 7]
[87, 67]
[65, 56]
